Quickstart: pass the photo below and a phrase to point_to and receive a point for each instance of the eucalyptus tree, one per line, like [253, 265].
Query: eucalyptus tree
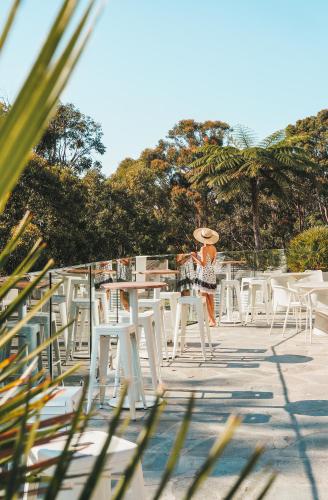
[245, 168]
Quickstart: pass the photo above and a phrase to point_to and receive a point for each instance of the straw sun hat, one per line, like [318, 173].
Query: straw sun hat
[206, 235]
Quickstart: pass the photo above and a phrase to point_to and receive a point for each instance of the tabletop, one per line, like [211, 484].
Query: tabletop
[290, 275]
[133, 285]
[223, 262]
[158, 272]
[21, 285]
[85, 270]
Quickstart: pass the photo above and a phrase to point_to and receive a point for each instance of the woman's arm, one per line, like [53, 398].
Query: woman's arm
[201, 261]
[182, 258]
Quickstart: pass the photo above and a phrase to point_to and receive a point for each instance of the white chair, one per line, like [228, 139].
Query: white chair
[229, 289]
[314, 275]
[129, 362]
[184, 303]
[258, 299]
[285, 299]
[317, 300]
[156, 306]
[118, 457]
[170, 316]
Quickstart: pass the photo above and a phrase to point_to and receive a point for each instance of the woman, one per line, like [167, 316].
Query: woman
[205, 280]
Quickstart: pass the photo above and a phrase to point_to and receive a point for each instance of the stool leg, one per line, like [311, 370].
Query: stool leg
[71, 332]
[56, 347]
[164, 338]
[28, 336]
[173, 311]
[266, 303]
[63, 320]
[105, 305]
[118, 368]
[237, 290]
[273, 317]
[103, 366]
[152, 356]
[126, 362]
[176, 330]
[138, 381]
[158, 330]
[46, 332]
[93, 370]
[184, 316]
[83, 319]
[247, 311]
[200, 320]
[207, 327]
[253, 300]
[221, 303]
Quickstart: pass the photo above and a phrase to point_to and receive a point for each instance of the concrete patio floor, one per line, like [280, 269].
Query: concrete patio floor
[279, 387]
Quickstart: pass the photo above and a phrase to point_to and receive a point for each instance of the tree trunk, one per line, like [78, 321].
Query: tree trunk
[204, 206]
[255, 213]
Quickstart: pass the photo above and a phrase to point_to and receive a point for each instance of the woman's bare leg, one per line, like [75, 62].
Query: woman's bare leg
[210, 308]
[124, 300]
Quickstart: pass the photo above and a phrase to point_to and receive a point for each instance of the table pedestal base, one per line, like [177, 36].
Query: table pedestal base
[139, 404]
[229, 320]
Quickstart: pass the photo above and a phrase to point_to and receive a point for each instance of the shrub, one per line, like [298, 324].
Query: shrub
[309, 250]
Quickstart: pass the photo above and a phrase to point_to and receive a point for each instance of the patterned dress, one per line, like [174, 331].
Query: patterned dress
[186, 275]
[205, 280]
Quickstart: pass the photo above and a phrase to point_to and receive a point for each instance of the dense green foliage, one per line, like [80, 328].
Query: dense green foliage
[151, 204]
[309, 250]
[247, 169]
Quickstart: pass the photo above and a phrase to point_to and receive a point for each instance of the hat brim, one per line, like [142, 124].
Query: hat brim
[210, 241]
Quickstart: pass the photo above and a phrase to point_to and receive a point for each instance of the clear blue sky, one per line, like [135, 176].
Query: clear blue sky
[261, 63]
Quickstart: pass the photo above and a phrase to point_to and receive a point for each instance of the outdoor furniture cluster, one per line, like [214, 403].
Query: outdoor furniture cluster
[89, 307]
[130, 325]
[298, 297]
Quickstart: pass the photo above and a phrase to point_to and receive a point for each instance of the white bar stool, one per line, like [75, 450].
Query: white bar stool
[172, 299]
[258, 299]
[228, 289]
[118, 457]
[184, 303]
[80, 311]
[146, 322]
[129, 362]
[158, 310]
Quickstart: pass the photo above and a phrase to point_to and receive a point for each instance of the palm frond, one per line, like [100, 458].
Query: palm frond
[144, 436]
[272, 139]
[9, 22]
[176, 449]
[25, 121]
[267, 486]
[245, 472]
[243, 137]
[216, 451]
